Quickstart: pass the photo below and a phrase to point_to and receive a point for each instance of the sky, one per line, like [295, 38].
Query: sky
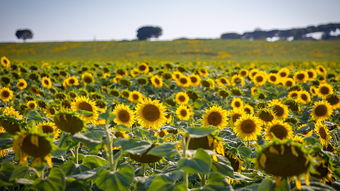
[87, 20]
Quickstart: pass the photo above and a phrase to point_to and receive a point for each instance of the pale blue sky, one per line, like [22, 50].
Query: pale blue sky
[119, 19]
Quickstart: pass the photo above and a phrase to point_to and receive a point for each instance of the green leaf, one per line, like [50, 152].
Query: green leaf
[84, 175]
[5, 143]
[223, 166]
[120, 180]
[24, 181]
[167, 149]
[135, 147]
[245, 152]
[198, 132]
[161, 183]
[70, 168]
[266, 184]
[201, 163]
[86, 140]
[55, 181]
[93, 161]
[19, 172]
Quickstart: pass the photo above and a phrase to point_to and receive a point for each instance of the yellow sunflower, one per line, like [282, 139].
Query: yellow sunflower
[5, 62]
[21, 84]
[280, 110]
[48, 128]
[203, 72]
[322, 131]
[32, 104]
[6, 94]
[243, 73]
[46, 82]
[265, 115]
[304, 97]
[321, 111]
[151, 114]
[279, 130]
[183, 81]
[87, 78]
[311, 74]
[288, 82]
[293, 94]
[300, 77]
[237, 80]
[72, 81]
[182, 98]
[184, 112]
[321, 70]
[135, 96]
[237, 103]
[195, 80]
[248, 109]
[260, 79]
[324, 90]
[215, 116]
[235, 114]
[85, 104]
[176, 75]
[313, 90]
[253, 72]
[157, 81]
[10, 111]
[223, 82]
[333, 100]
[273, 78]
[124, 115]
[247, 128]
[283, 73]
[143, 68]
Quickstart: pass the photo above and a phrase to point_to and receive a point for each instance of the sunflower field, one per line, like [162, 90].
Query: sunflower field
[161, 125]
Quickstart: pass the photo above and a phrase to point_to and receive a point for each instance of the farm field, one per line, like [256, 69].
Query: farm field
[181, 115]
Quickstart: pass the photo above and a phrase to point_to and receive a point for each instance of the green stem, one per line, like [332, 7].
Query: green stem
[109, 148]
[185, 146]
[186, 179]
[77, 153]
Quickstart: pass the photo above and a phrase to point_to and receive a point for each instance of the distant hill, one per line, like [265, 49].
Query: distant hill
[321, 32]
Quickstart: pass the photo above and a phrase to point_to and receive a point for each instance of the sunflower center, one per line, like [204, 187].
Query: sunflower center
[259, 78]
[322, 133]
[183, 112]
[320, 110]
[46, 82]
[237, 80]
[85, 106]
[304, 97]
[237, 104]
[142, 67]
[157, 81]
[71, 81]
[183, 80]
[278, 110]
[47, 129]
[273, 78]
[248, 126]
[310, 74]
[214, 118]
[123, 116]
[235, 117]
[279, 131]
[243, 73]
[31, 105]
[223, 81]
[21, 84]
[283, 74]
[333, 99]
[193, 79]
[151, 112]
[135, 96]
[289, 83]
[266, 116]
[300, 76]
[88, 79]
[205, 84]
[324, 90]
[5, 94]
[181, 98]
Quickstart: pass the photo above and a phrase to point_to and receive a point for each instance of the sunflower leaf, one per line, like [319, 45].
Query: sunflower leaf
[119, 180]
[6, 143]
[93, 161]
[199, 132]
[86, 140]
[161, 183]
[55, 181]
[167, 149]
[201, 163]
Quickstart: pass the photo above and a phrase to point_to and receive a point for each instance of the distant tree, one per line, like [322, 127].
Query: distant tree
[231, 36]
[24, 34]
[147, 32]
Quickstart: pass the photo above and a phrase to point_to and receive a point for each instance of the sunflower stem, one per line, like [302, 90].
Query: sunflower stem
[109, 148]
[77, 153]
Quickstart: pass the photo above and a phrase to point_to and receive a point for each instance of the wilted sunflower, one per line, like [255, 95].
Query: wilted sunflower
[300, 77]
[32, 104]
[195, 80]
[333, 100]
[182, 98]
[46, 82]
[322, 131]
[247, 127]
[87, 78]
[6, 94]
[283, 72]
[135, 96]
[266, 115]
[288, 82]
[324, 90]
[151, 114]
[279, 130]
[5, 62]
[157, 81]
[321, 111]
[280, 110]
[215, 116]
[48, 128]
[260, 79]
[85, 104]
[237, 103]
[143, 68]
[72, 81]
[183, 81]
[68, 122]
[21, 84]
[124, 115]
[184, 112]
[237, 80]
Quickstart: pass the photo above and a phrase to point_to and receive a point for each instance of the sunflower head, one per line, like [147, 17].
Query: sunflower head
[145, 157]
[322, 131]
[279, 130]
[124, 115]
[183, 81]
[266, 115]
[11, 124]
[260, 78]
[150, 114]
[280, 110]
[300, 77]
[324, 90]
[6, 94]
[237, 80]
[333, 100]
[184, 112]
[195, 80]
[182, 98]
[288, 82]
[84, 104]
[5, 62]
[87, 78]
[237, 103]
[321, 111]
[247, 127]
[283, 72]
[48, 128]
[46, 82]
[273, 78]
[143, 68]
[215, 116]
[68, 122]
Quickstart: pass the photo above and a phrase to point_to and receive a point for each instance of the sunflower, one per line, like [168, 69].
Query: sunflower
[223, 93]
[215, 116]
[143, 81]
[243, 73]
[207, 83]
[266, 115]
[68, 122]
[135, 96]
[124, 115]
[260, 78]
[182, 98]
[292, 105]
[48, 128]
[237, 80]
[311, 73]
[324, 90]
[32, 104]
[279, 130]
[237, 103]
[253, 72]
[321, 111]
[300, 77]
[293, 94]
[143, 68]
[10, 111]
[313, 90]
[5, 62]
[125, 94]
[183, 81]
[304, 97]
[121, 72]
[21, 84]
[253, 90]
[203, 72]
[288, 82]
[184, 112]
[333, 100]
[283, 72]
[72, 81]
[280, 110]
[235, 114]
[248, 109]
[87, 78]
[176, 75]
[11, 124]
[6, 94]
[247, 127]
[46, 82]
[321, 70]
[322, 131]
[273, 78]
[151, 114]
[223, 82]
[157, 81]
[85, 104]
[195, 80]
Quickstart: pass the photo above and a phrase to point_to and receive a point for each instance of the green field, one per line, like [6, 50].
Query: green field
[180, 50]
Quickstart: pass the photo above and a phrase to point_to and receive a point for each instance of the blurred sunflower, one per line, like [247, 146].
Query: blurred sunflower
[151, 114]
[283, 73]
[183, 81]
[321, 70]
[322, 131]
[135, 96]
[5, 62]
[46, 82]
[243, 73]
[47, 127]
[87, 78]
[288, 82]
[265, 115]
[10, 111]
[21, 84]
[184, 112]
[237, 103]
[324, 90]
[157, 81]
[279, 130]
[182, 98]
[321, 111]
[223, 82]
[311, 74]
[293, 94]
[273, 78]
[235, 114]
[215, 116]
[32, 104]
[203, 72]
[6, 94]
[280, 110]
[248, 109]
[237, 80]
[72, 81]
[300, 77]
[303, 97]
[143, 68]
[68, 122]
[176, 75]
[247, 127]
[260, 79]
[85, 104]
[124, 115]
[313, 90]
[333, 100]
[195, 80]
